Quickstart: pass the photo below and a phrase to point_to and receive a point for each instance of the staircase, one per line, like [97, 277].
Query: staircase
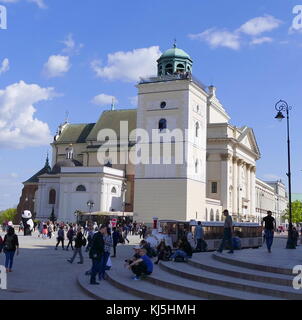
[208, 276]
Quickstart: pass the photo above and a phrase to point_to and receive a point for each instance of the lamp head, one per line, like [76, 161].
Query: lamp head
[279, 116]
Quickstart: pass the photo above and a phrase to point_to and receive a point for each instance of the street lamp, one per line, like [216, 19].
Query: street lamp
[124, 190]
[90, 205]
[282, 106]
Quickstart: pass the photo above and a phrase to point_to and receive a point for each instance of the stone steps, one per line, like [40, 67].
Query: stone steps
[120, 278]
[250, 265]
[266, 289]
[104, 291]
[204, 262]
[166, 278]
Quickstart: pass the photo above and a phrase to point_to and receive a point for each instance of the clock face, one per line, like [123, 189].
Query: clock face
[163, 105]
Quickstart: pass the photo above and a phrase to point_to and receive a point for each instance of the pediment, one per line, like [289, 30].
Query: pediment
[248, 140]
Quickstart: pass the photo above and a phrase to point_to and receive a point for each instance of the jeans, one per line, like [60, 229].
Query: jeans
[77, 251]
[103, 264]
[227, 237]
[140, 269]
[179, 253]
[96, 268]
[9, 259]
[69, 244]
[60, 240]
[269, 237]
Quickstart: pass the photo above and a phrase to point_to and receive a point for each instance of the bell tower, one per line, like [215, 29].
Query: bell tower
[173, 106]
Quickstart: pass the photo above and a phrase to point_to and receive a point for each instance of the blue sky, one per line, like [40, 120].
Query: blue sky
[54, 57]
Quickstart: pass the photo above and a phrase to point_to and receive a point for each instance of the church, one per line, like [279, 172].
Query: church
[176, 156]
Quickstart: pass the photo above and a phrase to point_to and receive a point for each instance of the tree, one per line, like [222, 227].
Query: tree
[7, 215]
[296, 212]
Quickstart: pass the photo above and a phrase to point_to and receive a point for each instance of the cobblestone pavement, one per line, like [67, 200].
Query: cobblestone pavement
[42, 273]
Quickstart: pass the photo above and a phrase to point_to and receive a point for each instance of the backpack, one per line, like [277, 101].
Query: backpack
[9, 243]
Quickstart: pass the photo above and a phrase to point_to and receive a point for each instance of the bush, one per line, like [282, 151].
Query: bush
[8, 215]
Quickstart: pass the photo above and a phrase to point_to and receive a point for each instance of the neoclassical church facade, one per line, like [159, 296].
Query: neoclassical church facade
[97, 162]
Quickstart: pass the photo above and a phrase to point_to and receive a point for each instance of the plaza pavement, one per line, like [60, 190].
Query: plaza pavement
[42, 273]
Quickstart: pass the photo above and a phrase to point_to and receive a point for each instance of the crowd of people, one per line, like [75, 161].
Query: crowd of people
[99, 240]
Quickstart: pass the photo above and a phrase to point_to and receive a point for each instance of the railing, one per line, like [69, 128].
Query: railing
[172, 77]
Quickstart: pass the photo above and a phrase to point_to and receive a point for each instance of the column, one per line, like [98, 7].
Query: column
[235, 187]
[253, 190]
[239, 196]
[248, 187]
[102, 200]
[224, 179]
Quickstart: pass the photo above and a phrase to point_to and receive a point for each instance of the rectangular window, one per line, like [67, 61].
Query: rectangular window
[214, 187]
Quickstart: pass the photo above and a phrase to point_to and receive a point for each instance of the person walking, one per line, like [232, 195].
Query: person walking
[115, 240]
[269, 228]
[199, 236]
[227, 233]
[80, 241]
[70, 237]
[61, 237]
[107, 248]
[96, 253]
[10, 247]
[125, 233]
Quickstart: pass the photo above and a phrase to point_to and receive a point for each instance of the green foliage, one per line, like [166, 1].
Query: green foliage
[8, 215]
[296, 212]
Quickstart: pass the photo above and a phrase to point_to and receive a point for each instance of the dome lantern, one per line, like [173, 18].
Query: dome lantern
[174, 61]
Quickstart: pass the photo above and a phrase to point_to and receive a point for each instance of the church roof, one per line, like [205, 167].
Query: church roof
[75, 133]
[34, 178]
[111, 120]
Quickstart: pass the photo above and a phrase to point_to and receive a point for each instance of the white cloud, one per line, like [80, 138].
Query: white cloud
[57, 66]
[261, 40]
[234, 39]
[18, 127]
[70, 45]
[104, 99]
[218, 38]
[128, 66]
[40, 3]
[260, 25]
[4, 67]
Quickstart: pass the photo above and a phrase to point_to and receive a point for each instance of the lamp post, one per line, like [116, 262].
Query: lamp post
[90, 205]
[124, 190]
[282, 106]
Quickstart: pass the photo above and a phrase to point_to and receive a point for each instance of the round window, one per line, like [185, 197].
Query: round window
[163, 104]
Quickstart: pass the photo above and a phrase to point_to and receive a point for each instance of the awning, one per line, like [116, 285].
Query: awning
[108, 213]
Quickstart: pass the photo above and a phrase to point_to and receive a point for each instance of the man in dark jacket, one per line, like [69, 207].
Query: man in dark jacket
[96, 253]
[115, 239]
[79, 242]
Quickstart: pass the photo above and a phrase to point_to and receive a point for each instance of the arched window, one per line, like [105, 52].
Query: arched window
[196, 166]
[113, 190]
[169, 69]
[189, 69]
[197, 129]
[180, 68]
[212, 215]
[217, 215]
[81, 188]
[162, 124]
[52, 196]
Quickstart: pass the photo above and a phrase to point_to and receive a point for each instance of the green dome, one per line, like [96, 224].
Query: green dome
[175, 53]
